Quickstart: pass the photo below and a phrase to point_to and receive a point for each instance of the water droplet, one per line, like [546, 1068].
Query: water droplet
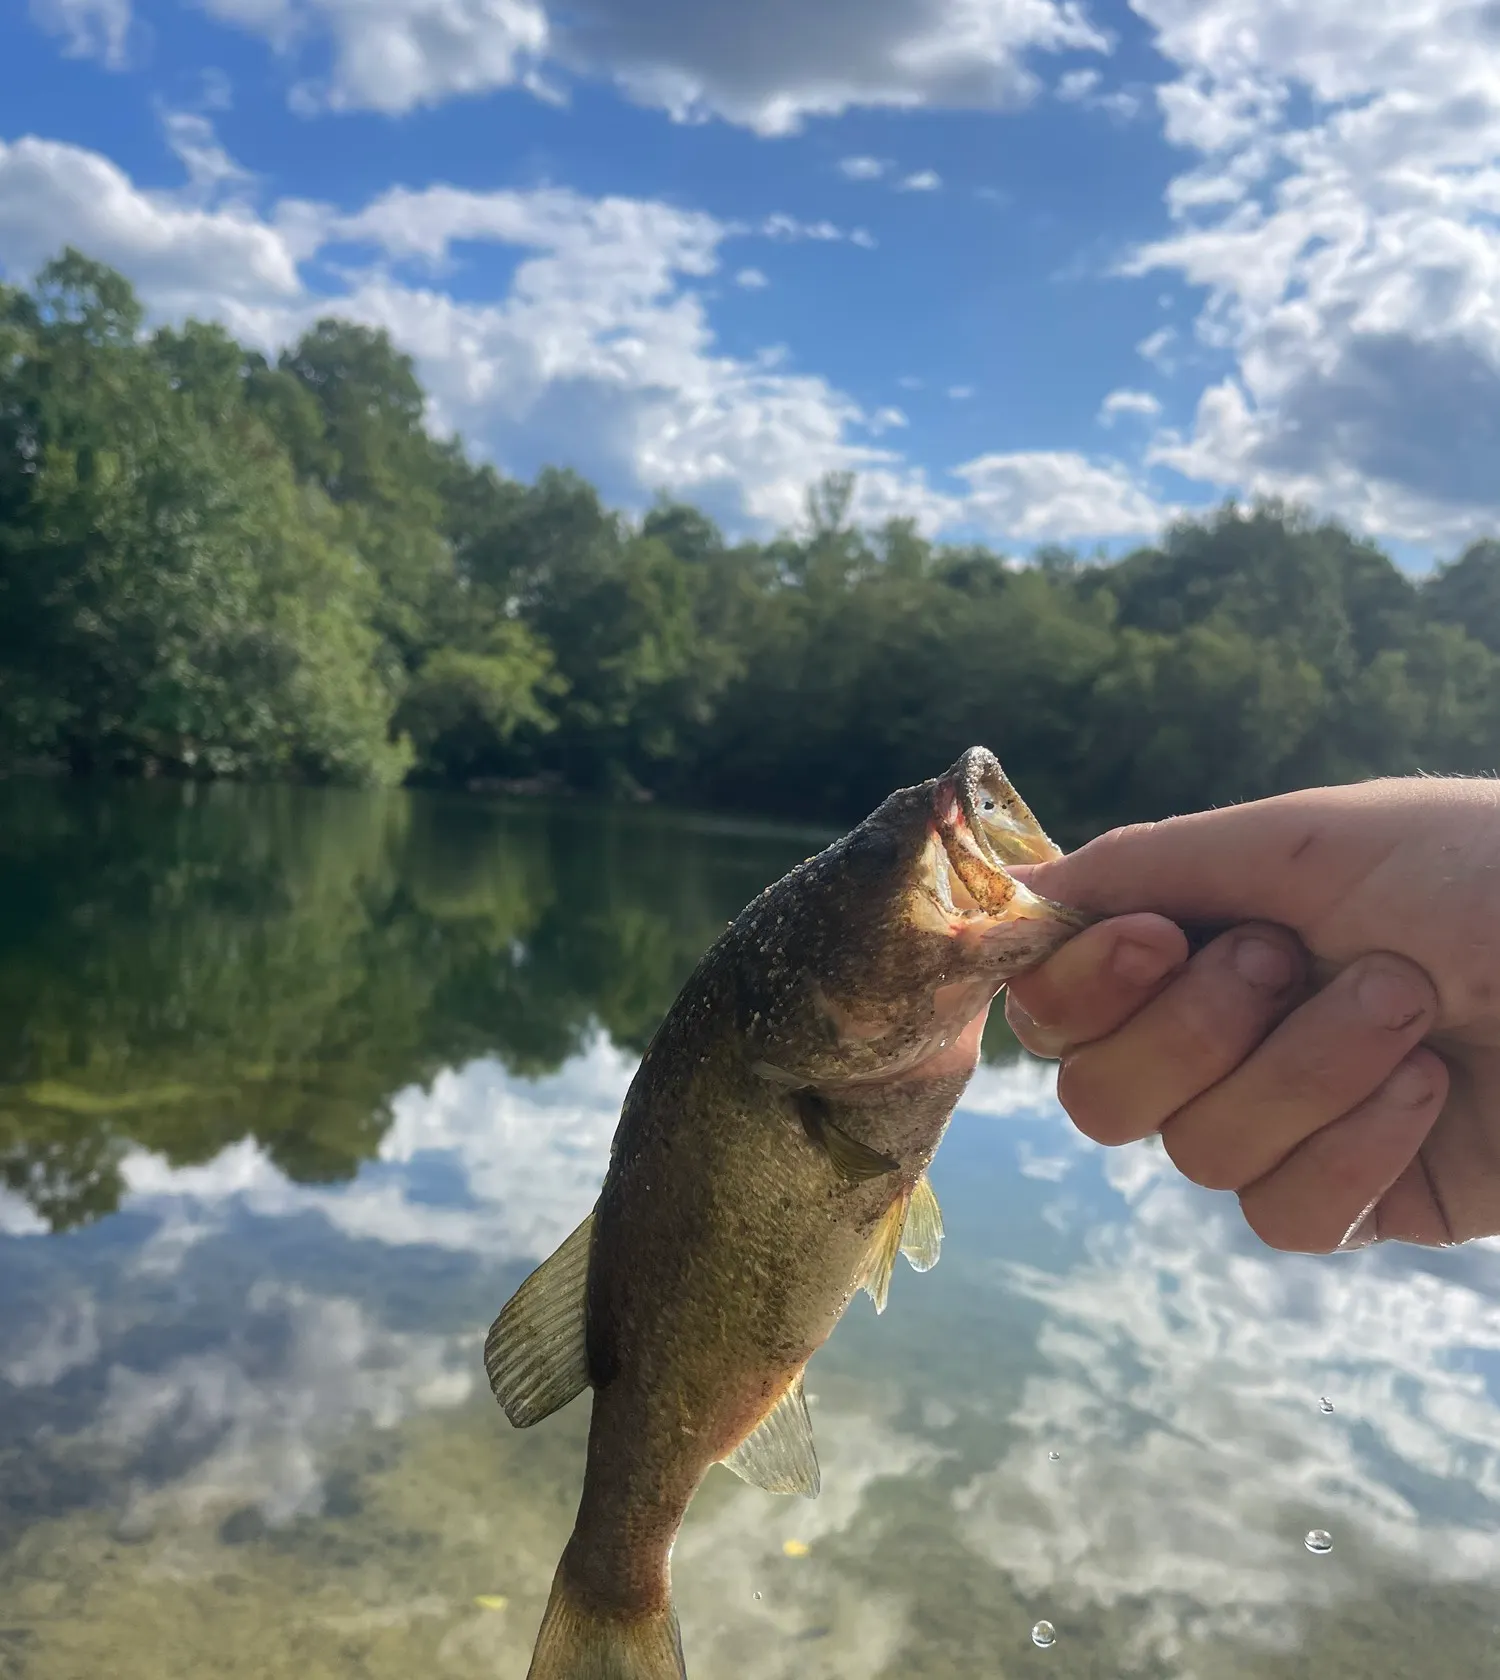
[1044, 1634]
[1325, 1404]
[1318, 1540]
[756, 1597]
[1054, 1456]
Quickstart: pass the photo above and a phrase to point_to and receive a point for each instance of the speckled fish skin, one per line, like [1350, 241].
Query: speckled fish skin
[766, 1152]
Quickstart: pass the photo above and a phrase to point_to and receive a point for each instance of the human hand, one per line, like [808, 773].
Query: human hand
[1365, 1108]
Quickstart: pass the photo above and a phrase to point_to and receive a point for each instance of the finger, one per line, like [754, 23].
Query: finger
[1201, 1025]
[1317, 1198]
[1094, 983]
[1284, 859]
[1410, 1211]
[1321, 1061]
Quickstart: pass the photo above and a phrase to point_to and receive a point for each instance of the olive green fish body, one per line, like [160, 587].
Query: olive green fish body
[768, 1164]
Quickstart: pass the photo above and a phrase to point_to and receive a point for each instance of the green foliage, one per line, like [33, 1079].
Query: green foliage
[185, 966]
[215, 566]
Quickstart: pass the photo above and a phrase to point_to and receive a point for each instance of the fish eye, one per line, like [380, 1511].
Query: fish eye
[987, 804]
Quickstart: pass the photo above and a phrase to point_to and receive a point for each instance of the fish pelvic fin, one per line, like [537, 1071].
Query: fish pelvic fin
[779, 1455]
[580, 1639]
[874, 1275]
[535, 1354]
[922, 1234]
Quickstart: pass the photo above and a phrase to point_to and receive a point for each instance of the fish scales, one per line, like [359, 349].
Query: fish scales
[769, 1152]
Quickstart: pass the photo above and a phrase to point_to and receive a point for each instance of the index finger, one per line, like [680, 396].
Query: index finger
[1286, 859]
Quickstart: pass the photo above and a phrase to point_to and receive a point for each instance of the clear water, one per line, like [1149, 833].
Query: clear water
[295, 1088]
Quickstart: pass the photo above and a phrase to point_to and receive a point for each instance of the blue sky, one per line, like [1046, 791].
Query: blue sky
[1035, 270]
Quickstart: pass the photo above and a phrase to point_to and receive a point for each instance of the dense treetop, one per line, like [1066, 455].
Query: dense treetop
[215, 566]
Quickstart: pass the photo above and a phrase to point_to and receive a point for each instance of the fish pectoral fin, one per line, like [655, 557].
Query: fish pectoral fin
[535, 1354]
[922, 1234]
[880, 1257]
[779, 1455]
[855, 1160]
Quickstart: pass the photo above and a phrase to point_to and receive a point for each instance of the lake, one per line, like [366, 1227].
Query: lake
[295, 1087]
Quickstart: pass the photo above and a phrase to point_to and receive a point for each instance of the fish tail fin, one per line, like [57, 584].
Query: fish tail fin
[580, 1639]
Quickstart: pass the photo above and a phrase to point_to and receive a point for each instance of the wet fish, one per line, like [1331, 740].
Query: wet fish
[770, 1161]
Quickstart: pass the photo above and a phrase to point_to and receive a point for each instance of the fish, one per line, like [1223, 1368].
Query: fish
[769, 1163]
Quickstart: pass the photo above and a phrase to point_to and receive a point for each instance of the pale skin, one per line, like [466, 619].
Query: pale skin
[1333, 1059]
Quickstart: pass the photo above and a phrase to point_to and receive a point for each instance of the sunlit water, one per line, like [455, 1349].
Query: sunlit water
[298, 1086]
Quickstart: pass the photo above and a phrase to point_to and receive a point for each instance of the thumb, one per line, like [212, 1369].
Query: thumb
[1279, 860]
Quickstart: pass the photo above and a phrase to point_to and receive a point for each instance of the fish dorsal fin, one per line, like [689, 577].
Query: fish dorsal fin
[880, 1257]
[853, 1159]
[779, 1455]
[922, 1235]
[535, 1354]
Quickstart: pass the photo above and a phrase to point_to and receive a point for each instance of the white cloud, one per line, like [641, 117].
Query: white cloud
[1081, 87]
[89, 28]
[1140, 403]
[598, 353]
[879, 169]
[864, 168]
[751, 280]
[1342, 221]
[210, 169]
[1077, 85]
[397, 55]
[753, 64]
[1042, 495]
[181, 256]
[960, 393]
[1155, 346]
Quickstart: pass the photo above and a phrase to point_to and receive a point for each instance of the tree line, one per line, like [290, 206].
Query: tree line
[215, 565]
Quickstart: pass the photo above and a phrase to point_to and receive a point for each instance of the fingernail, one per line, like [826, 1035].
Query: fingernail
[1262, 963]
[1139, 964]
[1389, 999]
[1041, 1041]
[1410, 1085]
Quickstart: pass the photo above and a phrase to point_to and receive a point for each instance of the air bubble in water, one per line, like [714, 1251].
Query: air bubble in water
[1318, 1540]
[1044, 1634]
[1325, 1404]
[1054, 1456]
[756, 1597]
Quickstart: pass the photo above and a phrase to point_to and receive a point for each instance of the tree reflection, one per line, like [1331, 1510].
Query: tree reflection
[185, 966]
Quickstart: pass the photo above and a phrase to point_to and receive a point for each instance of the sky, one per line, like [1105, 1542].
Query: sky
[1035, 270]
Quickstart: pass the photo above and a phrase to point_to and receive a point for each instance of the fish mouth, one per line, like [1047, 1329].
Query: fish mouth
[980, 824]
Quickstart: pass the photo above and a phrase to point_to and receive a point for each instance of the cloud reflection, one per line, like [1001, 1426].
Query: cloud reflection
[1171, 1361]
[1178, 1373]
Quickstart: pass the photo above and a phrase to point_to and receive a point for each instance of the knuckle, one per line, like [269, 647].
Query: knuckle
[1200, 1155]
[1093, 1103]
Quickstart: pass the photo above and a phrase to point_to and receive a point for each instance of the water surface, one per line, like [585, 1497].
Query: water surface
[296, 1087]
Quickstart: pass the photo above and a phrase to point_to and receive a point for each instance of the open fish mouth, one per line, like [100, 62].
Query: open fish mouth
[981, 824]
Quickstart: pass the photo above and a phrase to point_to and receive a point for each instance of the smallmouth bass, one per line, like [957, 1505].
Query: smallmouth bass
[770, 1162]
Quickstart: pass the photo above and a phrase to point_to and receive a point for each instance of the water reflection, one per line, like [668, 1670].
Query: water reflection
[305, 1085]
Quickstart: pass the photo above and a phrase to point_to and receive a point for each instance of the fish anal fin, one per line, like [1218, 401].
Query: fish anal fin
[922, 1235]
[536, 1355]
[779, 1455]
[855, 1160]
[874, 1275]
